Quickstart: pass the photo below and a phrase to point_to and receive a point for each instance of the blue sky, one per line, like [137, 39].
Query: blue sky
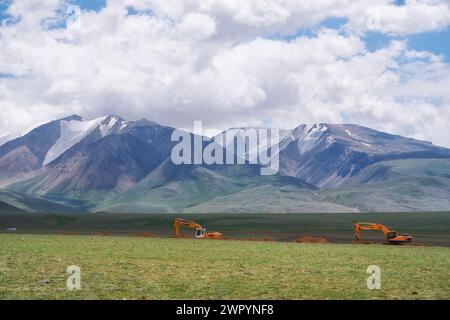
[437, 42]
[91, 4]
[3, 7]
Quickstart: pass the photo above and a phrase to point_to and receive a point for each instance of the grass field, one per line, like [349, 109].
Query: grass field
[34, 258]
[34, 267]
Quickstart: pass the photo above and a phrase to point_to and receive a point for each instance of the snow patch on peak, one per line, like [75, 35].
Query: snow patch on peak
[355, 136]
[72, 132]
[311, 137]
[316, 131]
[107, 125]
[124, 125]
[112, 124]
[292, 135]
[330, 140]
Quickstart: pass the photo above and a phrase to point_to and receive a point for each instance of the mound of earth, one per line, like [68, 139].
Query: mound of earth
[309, 239]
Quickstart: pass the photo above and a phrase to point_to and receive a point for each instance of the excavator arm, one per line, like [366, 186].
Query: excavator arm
[369, 226]
[190, 224]
[357, 232]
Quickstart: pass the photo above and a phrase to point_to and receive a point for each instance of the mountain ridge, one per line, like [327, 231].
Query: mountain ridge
[109, 163]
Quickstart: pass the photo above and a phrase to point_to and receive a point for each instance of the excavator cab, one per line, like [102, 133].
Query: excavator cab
[391, 235]
[200, 233]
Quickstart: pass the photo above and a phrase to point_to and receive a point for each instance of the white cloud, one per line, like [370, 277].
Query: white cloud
[179, 61]
[415, 16]
[196, 25]
[250, 17]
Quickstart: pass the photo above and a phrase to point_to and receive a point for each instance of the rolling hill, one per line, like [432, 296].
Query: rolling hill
[172, 188]
[18, 202]
[393, 186]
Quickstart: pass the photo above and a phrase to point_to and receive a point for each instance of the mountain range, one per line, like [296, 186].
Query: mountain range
[110, 164]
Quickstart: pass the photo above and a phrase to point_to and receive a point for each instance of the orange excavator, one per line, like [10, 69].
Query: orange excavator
[200, 232]
[391, 236]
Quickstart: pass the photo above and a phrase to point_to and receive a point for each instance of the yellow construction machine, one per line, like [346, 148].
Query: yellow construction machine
[392, 237]
[200, 232]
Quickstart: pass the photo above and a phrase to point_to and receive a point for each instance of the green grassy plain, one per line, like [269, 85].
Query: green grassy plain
[34, 267]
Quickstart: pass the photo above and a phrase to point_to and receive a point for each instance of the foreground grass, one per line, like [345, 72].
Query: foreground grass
[34, 267]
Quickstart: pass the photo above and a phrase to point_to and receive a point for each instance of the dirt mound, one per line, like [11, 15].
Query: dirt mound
[309, 239]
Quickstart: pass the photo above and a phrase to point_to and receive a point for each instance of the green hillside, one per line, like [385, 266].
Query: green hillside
[387, 186]
[21, 202]
[388, 170]
[269, 199]
[5, 207]
[400, 185]
[173, 188]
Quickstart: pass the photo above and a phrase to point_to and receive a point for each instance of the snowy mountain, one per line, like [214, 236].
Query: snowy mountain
[73, 130]
[27, 153]
[111, 164]
[111, 157]
[327, 155]
[47, 142]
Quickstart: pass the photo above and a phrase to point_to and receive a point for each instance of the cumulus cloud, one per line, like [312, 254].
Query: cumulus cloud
[250, 17]
[415, 16]
[197, 26]
[218, 61]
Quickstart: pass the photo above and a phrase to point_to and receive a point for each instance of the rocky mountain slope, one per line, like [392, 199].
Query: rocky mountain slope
[327, 155]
